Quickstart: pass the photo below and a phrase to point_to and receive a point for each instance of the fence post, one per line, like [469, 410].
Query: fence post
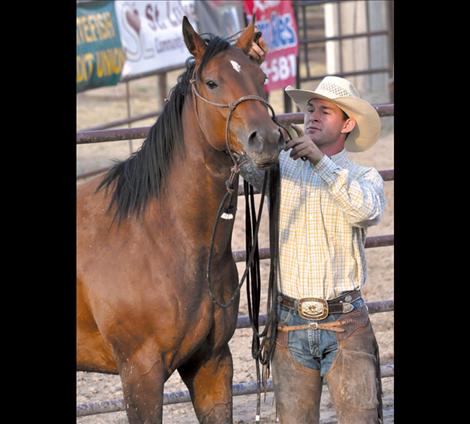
[162, 88]
[128, 107]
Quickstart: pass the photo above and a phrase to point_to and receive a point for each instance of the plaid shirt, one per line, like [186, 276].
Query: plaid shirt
[324, 212]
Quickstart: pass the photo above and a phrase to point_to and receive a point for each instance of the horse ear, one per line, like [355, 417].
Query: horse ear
[246, 39]
[193, 41]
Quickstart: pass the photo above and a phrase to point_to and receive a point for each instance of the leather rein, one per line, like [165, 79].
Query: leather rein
[237, 162]
[262, 342]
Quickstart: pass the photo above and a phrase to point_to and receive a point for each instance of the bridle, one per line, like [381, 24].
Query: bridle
[263, 342]
[230, 106]
[237, 162]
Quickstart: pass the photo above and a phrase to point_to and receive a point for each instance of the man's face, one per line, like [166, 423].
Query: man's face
[324, 122]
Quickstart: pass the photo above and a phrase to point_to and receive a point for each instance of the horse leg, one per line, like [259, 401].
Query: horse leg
[143, 376]
[209, 380]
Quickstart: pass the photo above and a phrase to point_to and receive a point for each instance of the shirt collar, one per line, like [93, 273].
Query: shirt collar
[340, 157]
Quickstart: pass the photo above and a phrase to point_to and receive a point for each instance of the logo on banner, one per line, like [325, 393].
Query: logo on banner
[278, 32]
[100, 58]
[151, 34]
[276, 21]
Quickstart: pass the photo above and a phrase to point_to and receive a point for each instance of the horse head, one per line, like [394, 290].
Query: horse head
[230, 101]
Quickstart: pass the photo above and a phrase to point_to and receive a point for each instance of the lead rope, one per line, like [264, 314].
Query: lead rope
[263, 344]
[253, 285]
[262, 350]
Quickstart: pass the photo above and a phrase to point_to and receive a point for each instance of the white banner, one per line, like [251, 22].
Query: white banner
[151, 33]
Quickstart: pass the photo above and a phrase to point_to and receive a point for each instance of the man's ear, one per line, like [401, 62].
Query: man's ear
[246, 39]
[193, 41]
[348, 125]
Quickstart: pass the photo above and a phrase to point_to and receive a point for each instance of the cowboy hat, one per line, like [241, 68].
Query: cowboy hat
[342, 93]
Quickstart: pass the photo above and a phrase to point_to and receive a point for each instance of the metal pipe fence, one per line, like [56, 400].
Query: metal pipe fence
[313, 41]
[182, 396]
[304, 42]
[116, 405]
[120, 122]
[100, 136]
[239, 389]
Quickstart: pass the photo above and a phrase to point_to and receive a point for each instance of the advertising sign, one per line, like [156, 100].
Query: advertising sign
[151, 34]
[100, 58]
[276, 20]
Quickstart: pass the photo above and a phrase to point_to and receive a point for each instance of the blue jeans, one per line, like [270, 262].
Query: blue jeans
[315, 349]
[348, 361]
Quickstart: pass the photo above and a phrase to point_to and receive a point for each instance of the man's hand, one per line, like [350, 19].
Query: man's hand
[304, 147]
[291, 131]
[258, 49]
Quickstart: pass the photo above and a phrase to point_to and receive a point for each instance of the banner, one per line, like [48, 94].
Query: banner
[151, 34]
[276, 20]
[100, 58]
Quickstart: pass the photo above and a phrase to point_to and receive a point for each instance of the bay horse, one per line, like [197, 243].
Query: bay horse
[144, 307]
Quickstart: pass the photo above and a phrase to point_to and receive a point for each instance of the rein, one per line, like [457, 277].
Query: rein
[237, 162]
[262, 346]
[262, 343]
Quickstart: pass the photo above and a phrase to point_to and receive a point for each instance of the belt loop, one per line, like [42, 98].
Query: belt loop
[296, 305]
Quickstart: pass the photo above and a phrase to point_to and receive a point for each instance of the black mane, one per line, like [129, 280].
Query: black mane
[140, 177]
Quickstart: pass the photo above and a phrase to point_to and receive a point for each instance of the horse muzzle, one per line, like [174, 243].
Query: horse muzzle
[264, 146]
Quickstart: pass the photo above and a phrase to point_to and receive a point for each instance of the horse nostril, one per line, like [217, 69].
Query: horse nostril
[256, 142]
[252, 138]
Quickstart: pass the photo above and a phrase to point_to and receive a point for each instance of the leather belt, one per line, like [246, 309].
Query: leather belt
[317, 308]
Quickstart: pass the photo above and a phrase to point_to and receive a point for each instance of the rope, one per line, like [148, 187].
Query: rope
[263, 344]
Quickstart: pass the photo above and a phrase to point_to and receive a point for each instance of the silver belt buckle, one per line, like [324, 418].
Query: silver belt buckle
[313, 308]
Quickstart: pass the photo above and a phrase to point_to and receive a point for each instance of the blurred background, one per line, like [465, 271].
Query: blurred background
[129, 54]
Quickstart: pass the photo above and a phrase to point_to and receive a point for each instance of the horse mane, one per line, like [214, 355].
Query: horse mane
[142, 176]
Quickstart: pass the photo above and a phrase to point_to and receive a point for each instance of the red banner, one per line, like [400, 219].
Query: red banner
[276, 20]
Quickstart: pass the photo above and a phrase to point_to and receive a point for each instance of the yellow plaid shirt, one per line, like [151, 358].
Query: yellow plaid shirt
[324, 212]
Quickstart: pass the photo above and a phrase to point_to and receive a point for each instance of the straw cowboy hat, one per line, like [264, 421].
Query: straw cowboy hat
[341, 92]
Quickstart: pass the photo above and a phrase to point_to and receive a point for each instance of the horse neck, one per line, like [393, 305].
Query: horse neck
[196, 186]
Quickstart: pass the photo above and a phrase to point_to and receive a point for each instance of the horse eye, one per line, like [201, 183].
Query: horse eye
[211, 84]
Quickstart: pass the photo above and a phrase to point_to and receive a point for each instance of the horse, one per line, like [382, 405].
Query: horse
[145, 307]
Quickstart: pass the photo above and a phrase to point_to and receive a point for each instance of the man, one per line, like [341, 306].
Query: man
[326, 204]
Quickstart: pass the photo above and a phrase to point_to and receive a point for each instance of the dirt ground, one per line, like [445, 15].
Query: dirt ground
[107, 104]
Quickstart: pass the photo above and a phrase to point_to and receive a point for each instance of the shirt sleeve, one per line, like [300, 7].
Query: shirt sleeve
[361, 198]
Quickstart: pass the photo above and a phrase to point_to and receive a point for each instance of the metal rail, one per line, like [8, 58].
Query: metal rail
[376, 241]
[386, 174]
[182, 396]
[100, 136]
[116, 405]
[373, 307]
[120, 122]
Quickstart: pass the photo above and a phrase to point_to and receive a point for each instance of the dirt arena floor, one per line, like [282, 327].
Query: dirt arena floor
[106, 104]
